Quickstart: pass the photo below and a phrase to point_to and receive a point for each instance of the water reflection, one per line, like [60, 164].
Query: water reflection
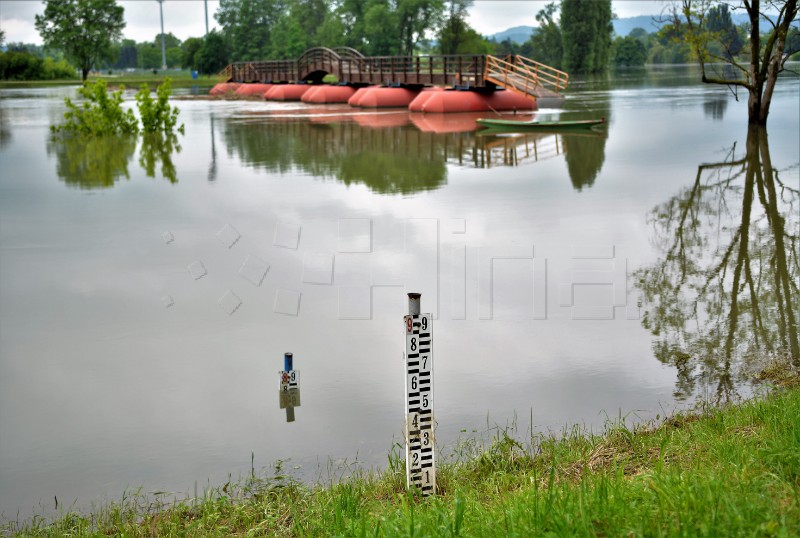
[401, 153]
[715, 106]
[158, 148]
[5, 131]
[92, 162]
[725, 292]
[585, 155]
[98, 162]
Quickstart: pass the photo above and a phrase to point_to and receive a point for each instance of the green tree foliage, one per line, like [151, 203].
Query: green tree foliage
[728, 38]
[546, 41]
[190, 48]
[248, 25]
[128, 55]
[456, 36]
[766, 59]
[629, 52]
[213, 55]
[16, 65]
[156, 114]
[666, 49]
[82, 29]
[586, 35]
[414, 19]
[381, 32]
[101, 112]
[288, 38]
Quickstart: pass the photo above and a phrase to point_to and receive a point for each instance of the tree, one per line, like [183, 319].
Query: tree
[414, 19]
[629, 51]
[128, 55]
[82, 29]
[248, 25]
[586, 35]
[190, 48]
[765, 53]
[456, 36]
[213, 55]
[546, 46]
[721, 23]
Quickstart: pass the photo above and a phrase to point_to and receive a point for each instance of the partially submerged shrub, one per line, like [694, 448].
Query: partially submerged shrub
[156, 114]
[101, 112]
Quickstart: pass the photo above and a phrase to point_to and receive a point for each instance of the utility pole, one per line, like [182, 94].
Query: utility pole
[206, 4]
[163, 46]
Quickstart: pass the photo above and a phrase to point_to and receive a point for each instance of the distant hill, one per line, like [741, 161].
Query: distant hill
[517, 34]
[622, 27]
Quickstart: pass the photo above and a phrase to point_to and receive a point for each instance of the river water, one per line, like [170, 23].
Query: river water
[149, 288]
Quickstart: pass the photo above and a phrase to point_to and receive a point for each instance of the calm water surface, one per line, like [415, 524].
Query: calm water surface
[149, 287]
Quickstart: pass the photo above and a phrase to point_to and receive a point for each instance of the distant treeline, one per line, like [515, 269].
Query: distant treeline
[574, 35]
[32, 62]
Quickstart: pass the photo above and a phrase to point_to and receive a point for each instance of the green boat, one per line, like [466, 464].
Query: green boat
[549, 126]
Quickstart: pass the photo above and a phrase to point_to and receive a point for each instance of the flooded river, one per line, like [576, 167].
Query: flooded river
[149, 287]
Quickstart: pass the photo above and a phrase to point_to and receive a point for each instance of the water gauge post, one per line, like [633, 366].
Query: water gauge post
[289, 394]
[420, 446]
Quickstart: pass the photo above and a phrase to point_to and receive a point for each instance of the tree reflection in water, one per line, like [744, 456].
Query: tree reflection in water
[159, 147]
[98, 162]
[403, 159]
[724, 296]
[92, 162]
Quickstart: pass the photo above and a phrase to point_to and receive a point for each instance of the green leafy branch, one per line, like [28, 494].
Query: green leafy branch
[101, 112]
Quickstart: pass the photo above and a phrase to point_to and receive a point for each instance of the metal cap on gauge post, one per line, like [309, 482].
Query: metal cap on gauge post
[420, 446]
[414, 304]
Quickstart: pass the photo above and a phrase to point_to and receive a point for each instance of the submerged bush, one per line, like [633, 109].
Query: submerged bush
[156, 114]
[101, 112]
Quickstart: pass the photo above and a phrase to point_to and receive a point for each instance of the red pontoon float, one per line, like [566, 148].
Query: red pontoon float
[287, 92]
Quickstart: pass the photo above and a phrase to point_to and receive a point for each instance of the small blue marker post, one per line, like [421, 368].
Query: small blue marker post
[287, 361]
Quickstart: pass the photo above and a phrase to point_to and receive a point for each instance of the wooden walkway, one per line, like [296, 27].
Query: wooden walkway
[478, 71]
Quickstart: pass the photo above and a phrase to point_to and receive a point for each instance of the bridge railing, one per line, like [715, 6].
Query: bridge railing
[456, 69]
[525, 75]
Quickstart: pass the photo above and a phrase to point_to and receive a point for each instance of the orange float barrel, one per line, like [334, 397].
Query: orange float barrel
[420, 100]
[287, 92]
[360, 93]
[224, 88]
[508, 100]
[452, 101]
[388, 98]
[248, 90]
[329, 94]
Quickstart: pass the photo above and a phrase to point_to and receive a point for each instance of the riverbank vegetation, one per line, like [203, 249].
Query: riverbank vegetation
[573, 35]
[719, 471]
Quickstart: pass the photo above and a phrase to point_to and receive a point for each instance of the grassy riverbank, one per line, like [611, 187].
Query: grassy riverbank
[730, 471]
[180, 79]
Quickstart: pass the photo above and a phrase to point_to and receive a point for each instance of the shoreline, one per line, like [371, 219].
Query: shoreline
[724, 470]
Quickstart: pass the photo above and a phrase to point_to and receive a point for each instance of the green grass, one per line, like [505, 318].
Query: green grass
[181, 79]
[725, 471]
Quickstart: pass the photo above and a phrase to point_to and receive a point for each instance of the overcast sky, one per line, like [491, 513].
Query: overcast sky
[186, 18]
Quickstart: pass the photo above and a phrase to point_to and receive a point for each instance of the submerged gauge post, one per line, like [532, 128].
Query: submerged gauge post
[289, 394]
